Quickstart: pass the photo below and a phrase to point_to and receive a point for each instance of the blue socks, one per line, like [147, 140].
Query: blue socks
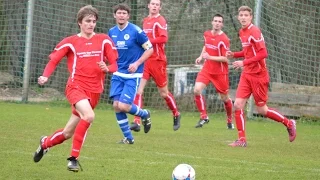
[136, 111]
[124, 124]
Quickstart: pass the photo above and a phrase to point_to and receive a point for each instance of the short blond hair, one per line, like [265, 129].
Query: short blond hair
[245, 8]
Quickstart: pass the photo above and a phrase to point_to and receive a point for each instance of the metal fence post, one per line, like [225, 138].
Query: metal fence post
[257, 17]
[27, 52]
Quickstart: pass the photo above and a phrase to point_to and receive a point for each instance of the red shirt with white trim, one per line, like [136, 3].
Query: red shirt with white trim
[156, 30]
[216, 45]
[252, 41]
[82, 57]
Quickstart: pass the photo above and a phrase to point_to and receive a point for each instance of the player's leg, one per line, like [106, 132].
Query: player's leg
[116, 90]
[126, 103]
[228, 108]
[160, 77]
[171, 103]
[138, 100]
[202, 81]
[242, 95]
[221, 83]
[239, 116]
[261, 98]
[85, 109]
[123, 122]
[58, 137]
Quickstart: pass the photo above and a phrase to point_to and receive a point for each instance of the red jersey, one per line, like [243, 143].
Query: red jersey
[252, 41]
[82, 57]
[216, 45]
[156, 30]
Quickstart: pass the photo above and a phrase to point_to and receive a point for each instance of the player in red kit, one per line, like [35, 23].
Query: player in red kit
[254, 78]
[214, 70]
[86, 53]
[155, 26]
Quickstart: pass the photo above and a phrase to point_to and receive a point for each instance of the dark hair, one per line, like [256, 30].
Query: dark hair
[121, 6]
[85, 11]
[218, 15]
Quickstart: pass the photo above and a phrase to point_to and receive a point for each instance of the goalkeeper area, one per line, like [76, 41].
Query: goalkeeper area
[269, 154]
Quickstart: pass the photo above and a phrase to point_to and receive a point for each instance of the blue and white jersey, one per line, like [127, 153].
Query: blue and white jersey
[131, 42]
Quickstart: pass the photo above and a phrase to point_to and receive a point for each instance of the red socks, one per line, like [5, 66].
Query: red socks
[79, 137]
[240, 122]
[171, 102]
[228, 108]
[201, 105]
[276, 116]
[56, 138]
[138, 100]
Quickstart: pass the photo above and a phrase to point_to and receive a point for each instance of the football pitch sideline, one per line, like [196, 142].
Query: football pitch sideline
[269, 154]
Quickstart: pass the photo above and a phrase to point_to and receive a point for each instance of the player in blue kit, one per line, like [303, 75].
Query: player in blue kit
[133, 48]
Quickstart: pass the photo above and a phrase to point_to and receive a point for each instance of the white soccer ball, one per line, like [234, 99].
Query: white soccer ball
[183, 172]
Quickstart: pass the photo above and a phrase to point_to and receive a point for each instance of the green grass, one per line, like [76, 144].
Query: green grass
[269, 154]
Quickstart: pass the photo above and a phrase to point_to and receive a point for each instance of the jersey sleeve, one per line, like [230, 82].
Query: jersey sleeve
[56, 56]
[257, 39]
[161, 25]
[143, 39]
[111, 54]
[224, 46]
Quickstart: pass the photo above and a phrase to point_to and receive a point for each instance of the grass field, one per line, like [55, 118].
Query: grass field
[269, 154]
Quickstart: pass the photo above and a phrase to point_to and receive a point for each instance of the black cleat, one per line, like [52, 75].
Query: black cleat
[201, 122]
[146, 122]
[73, 164]
[126, 141]
[40, 151]
[230, 126]
[176, 122]
[135, 127]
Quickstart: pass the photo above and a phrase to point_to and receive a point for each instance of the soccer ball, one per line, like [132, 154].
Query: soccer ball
[183, 172]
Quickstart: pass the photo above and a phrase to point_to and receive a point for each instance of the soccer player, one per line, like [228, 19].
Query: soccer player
[214, 70]
[133, 48]
[254, 77]
[155, 26]
[86, 53]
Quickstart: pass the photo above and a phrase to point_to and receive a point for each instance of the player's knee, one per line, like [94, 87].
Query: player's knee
[163, 94]
[123, 107]
[140, 91]
[197, 91]
[238, 105]
[262, 110]
[89, 117]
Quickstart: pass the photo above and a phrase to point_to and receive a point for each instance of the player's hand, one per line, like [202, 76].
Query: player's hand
[229, 54]
[133, 67]
[205, 55]
[198, 60]
[42, 80]
[237, 64]
[103, 66]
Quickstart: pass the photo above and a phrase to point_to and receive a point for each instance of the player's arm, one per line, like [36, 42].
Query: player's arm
[199, 59]
[159, 40]
[223, 48]
[205, 55]
[259, 44]
[111, 55]
[161, 29]
[148, 50]
[55, 57]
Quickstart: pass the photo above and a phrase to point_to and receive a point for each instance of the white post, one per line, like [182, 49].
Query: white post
[257, 17]
[27, 51]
